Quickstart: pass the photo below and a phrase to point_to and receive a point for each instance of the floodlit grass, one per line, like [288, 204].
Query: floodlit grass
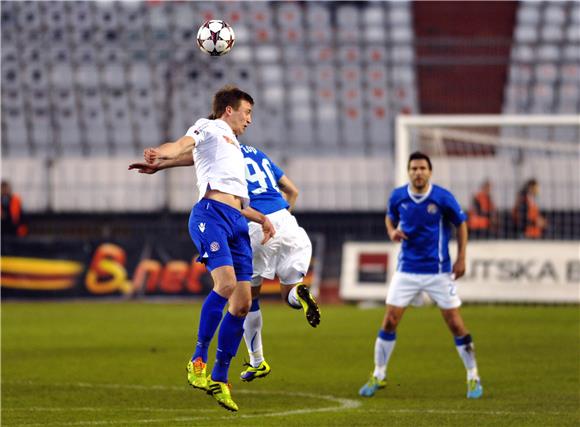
[123, 364]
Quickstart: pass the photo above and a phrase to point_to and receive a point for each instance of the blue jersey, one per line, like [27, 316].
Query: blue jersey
[426, 220]
[262, 176]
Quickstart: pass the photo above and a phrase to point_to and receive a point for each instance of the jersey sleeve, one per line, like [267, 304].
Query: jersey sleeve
[198, 131]
[453, 210]
[392, 211]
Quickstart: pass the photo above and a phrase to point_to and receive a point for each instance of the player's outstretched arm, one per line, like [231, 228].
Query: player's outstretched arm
[186, 159]
[170, 150]
[267, 228]
[394, 233]
[290, 191]
[459, 265]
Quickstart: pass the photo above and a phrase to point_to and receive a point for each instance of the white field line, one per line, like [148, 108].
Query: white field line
[458, 412]
[343, 404]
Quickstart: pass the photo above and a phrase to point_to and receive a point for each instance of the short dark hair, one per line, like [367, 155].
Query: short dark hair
[417, 155]
[532, 182]
[228, 95]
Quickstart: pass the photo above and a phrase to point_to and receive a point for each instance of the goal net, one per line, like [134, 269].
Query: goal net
[529, 166]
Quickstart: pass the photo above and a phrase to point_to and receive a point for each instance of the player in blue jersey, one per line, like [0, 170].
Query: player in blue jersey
[287, 255]
[420, 216]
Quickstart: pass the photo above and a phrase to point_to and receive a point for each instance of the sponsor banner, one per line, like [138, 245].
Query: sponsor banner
[497, 271]
[75, 268]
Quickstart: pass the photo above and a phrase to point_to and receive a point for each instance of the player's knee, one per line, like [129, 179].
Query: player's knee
[225, 287]
[240, 308]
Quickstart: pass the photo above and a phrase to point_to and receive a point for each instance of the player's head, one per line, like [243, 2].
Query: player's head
[419, 169]
[532, 187]
[233, 106]
[6, 190]
[486, 185]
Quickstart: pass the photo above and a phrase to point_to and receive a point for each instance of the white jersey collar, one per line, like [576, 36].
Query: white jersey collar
[418, 198]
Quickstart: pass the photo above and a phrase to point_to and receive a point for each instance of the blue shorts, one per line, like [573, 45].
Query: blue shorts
[221, 236]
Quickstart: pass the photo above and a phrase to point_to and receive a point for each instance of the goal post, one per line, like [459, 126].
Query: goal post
[404, 125]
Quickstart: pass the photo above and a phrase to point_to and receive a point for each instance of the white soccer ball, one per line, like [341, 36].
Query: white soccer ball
[215, 37]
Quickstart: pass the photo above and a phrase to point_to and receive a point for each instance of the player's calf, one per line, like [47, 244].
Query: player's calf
[309, 305]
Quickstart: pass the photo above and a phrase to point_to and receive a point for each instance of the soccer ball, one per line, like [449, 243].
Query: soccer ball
[215, 37]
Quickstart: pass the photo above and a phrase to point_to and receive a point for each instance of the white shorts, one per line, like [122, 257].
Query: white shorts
[286, 255]
[405, 287]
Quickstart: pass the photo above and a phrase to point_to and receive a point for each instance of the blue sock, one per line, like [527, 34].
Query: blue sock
[210, 317]
[229, 338]
[387, 336]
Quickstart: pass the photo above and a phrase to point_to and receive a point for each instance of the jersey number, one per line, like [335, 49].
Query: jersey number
[259, 176]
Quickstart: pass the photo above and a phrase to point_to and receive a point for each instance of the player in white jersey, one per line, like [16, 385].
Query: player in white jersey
[219, 229]
[287, 255]
[420, 215]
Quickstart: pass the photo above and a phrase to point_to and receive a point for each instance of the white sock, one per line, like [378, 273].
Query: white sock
[293, 298]
[467, 354]
[383, 350]
[253, 337]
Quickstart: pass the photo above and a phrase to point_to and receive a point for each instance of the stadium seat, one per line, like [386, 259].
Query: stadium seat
[552, 33]
[323, 54]
[522, 54]
[234, 13]
[526, 34]
[571, 53]
[267, 53]
[327, 138]
[546, 73]
[349, 54]
[207, 10]
[289, 16]
[375, 54]
[16, 133]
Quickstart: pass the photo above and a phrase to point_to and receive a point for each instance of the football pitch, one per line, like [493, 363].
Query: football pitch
[123, 364]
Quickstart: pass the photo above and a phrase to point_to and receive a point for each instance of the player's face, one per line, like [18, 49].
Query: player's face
[419, 174]
[241, 118]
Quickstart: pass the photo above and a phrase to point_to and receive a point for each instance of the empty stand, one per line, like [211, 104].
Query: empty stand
[544, 72]
[110, 78]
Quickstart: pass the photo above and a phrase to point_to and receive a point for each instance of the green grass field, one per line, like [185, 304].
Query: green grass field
[123, 364]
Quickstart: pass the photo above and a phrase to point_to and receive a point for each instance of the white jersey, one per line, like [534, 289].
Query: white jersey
[219, 162]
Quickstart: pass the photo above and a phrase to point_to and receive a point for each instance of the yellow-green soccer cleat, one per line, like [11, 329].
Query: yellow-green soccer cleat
[196, 374]
[371, 386]
[252, 373]
[309, 305]
[221, 392]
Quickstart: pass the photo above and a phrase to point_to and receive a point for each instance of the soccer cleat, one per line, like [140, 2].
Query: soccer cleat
[196, 374]
[252, 373]
[309, 305]
[371, 387]
[221, 392]
[474, 389]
